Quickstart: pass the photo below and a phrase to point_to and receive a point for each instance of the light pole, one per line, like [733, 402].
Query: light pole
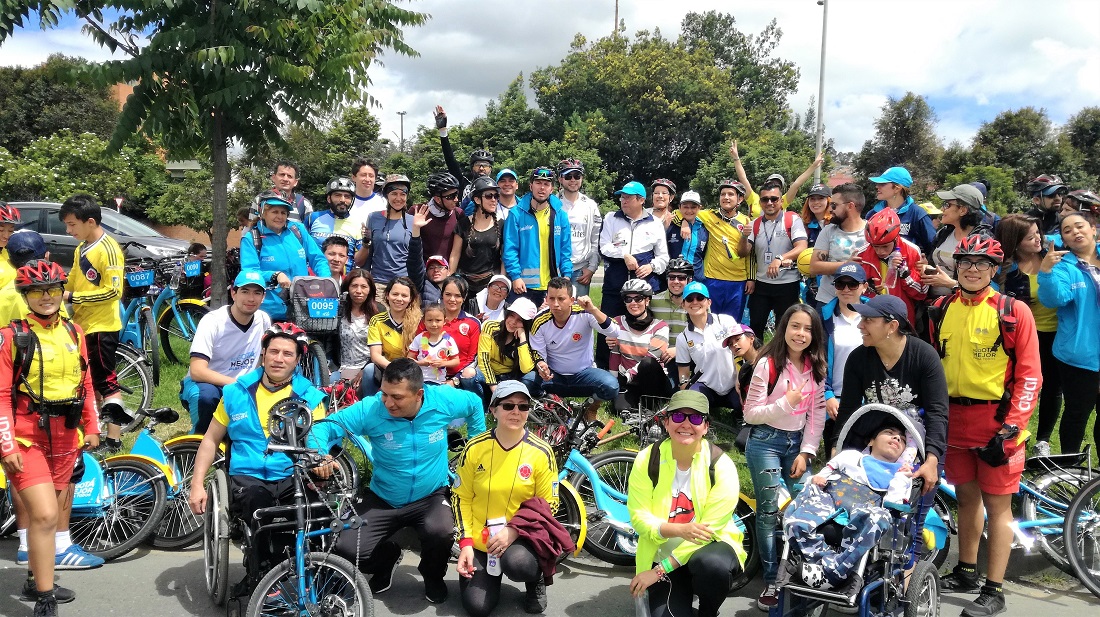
[402, 114]
[821, 86]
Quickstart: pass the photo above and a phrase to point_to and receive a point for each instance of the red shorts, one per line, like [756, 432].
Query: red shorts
[41, 467]
[963, 465]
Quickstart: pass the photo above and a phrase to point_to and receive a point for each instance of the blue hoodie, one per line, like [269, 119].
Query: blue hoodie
[916, 225]
[1069, 288]
[521, 243]
[291, 252]
[827, 313]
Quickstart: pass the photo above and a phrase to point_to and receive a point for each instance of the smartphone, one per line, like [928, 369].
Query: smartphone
[931, 269]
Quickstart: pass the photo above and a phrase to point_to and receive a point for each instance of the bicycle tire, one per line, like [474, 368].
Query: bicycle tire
[1082, 535]
[570, 513]
[7, 514]
[334, 579]
[138, 495]
[136, 384]
[314, 365]
[722, 435]
[172, 332]
[744, 514]
[603, 542]
[1060, 485]
[179, 527]
[150, 342]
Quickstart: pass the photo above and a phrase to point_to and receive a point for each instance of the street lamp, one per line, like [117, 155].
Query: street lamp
[821, 86]
[402, 114]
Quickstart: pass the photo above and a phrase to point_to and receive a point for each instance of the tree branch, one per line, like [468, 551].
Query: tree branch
[126, 47]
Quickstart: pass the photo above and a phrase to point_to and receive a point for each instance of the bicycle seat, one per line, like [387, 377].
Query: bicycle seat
[115, 414]
[1055, 461]
[164, 415]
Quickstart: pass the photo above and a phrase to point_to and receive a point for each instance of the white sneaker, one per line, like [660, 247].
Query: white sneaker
[1042, 448]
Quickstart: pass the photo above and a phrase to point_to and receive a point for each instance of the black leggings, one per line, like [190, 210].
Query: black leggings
[1079, 391]
[481, 592]
[767, 298]
[651, 380]
[1050, 398]
[249, 494]
[708, 574]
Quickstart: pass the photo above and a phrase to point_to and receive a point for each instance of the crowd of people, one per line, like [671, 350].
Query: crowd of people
[480, 299]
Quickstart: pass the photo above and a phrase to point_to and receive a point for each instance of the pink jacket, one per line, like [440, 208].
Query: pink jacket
[774, 410]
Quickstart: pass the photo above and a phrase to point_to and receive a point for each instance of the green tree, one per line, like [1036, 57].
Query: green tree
[955, 158]
[1083, 132]
[771, 151]
[1021, 139]
[1003, 197]
[905, 135]
[509, 121]
[213, 73]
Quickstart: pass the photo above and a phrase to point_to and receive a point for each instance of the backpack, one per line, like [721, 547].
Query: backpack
[654, 468]
[258, 238]
[26, 342]
[1005, 319]
[788, 222]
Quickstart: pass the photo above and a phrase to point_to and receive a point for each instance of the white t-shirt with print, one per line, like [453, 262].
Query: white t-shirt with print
[230, 349]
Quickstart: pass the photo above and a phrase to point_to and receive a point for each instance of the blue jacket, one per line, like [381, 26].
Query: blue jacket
[248, 440]
[692, 250]
[1071, 290]
[292, 253]
[827, 313]
[430, 293]
[521, 243]
[409, 456]
[916, 225]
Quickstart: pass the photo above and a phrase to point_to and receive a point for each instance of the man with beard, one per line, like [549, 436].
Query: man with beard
[777, 236]
[840, 240]
[1047, 192]
[337, 220]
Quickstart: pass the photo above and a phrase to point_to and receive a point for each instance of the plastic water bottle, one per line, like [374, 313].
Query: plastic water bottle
[641, 605]
[891, 271]
[492, 563]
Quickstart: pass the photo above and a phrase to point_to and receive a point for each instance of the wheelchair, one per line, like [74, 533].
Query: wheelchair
[890, 580]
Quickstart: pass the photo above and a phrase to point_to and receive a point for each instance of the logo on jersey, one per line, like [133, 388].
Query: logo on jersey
[691, 343]
[464, 329]
[525, 471]
[480, 468]
[576, 337]
[91, 274]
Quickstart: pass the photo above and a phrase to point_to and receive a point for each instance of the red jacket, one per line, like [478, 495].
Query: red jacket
[909, 289]
[466, 331]
[551, 542]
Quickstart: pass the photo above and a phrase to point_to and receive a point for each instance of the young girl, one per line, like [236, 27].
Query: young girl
[434, 350]
[786, 405]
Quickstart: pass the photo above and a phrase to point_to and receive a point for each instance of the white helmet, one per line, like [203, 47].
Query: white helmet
[637, 286]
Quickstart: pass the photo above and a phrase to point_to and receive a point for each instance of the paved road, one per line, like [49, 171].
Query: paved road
[170, 584]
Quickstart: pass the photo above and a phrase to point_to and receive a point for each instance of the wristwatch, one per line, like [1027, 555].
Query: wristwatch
[455, 380]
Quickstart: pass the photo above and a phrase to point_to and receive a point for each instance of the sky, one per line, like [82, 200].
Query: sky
[972, 59]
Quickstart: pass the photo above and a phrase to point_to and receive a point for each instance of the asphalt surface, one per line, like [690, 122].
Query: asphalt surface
[153, 583]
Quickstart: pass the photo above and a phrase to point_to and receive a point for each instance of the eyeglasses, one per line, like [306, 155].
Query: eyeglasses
[501, 287]
[849, 284]
[573, 175]
[678, 277]
[38, 294]
[634, 299]
[769, 200]
[449, 197]
[490, 195]
[679, 416]
[980, 266]
[524, 407]
[695, 298]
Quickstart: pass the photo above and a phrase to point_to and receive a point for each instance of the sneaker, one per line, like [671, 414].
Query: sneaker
[389, 557]
[30, 593]
[1042, 448]
[987, 603]
[768, 598]
[107, 447]
[960, 582]
[46, 606]
[435, 590]
[21, 558]
[76, 558]
[535, 601]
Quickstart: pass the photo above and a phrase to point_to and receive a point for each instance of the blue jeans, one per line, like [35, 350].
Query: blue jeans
[727, 297]
[578, 289]
[770, 453]
[473, 384]
[530, 380]
[594, 382]
[200, 400]
[370, 384]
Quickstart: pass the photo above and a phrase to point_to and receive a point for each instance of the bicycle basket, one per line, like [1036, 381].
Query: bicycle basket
[315, 303]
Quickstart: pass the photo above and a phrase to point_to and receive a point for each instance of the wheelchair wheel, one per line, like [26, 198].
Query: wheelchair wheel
[1058, 486]
[334, 585]
[1082, 535]
[922, 596]
[938, 556]
[314, 365]
[179, 527]
[136, 382]
[746, 518]
[603, 541]
[215, 537]
[135, 502]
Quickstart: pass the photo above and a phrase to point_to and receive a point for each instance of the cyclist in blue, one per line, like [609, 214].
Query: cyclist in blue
[407, 426]
[280, 250]
[338, 221]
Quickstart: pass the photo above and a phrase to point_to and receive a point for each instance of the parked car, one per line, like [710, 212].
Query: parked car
[42, 217]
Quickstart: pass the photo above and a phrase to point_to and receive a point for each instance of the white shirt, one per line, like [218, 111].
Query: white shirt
[585, 222]
[704, 348]
[567, 350]
[362, 208]
[846, 337]
[621, 236]
[228, 349]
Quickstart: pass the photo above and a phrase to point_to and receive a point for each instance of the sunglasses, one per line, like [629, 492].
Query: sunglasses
[677, 277]
[695, 417]
[573, 175]
[543, 173]
[849, 284]
[695, 298]
[769, 200]
[449, 197]
[511, 406]
[633, 299]
[490, 195]
[38, 294]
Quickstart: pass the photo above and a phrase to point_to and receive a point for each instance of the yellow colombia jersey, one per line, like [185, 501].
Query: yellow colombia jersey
[968, 332]
[380, 331]
[96, 284]
[493, 482]
[490, 360]
[721, 260]
[265, 400]
[60, 360]
[7, 271]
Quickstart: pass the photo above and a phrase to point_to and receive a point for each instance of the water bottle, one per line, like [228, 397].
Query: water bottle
[492, 564]
[641, 605]
[891, 271]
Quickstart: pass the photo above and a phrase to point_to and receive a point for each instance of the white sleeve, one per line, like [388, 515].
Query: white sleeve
[798, 229]
[204, 336]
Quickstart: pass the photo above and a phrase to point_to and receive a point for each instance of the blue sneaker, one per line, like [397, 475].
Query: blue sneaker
[76, 558]
[21, 558]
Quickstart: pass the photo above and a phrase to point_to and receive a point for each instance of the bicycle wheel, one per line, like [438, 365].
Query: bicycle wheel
[176, 336]
[136, 383]
[7, 514]
[150, 342]
[722, 435]
[746, 519]
[1082, 535]
[1058, 486]
[179, 527]
[570, 513]
[334, 587]
[314, 365]
[135, 502]
[603, 541]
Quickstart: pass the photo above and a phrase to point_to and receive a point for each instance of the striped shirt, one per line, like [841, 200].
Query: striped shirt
[632, 347]
[669, 312]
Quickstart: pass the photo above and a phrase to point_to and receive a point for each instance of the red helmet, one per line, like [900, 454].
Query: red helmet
[39, 273]
[8, 214]
[884, 227]
[978, 245]
[288, 330]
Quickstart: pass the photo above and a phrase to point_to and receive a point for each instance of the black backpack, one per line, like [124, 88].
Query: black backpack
[26, 342]
[654, 468]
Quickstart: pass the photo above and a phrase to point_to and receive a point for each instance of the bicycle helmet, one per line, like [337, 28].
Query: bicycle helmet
[680, 266]
[286, 329]
[1043, 183]
[776, 179]
[8, 214]
[665, 182]
[481, 155]
[978, 245]
[543, 173]
[1083, 197]
[440, 182]
[567, 165]
[733, 184]
[637, 286]
[39, 273]
[341, 184]
[396, 179]
[884, 227]
[270, 199]
[482, 184]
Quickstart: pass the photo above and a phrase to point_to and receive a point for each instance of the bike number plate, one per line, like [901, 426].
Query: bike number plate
[192, 268]
[323, 308]
[141, 278]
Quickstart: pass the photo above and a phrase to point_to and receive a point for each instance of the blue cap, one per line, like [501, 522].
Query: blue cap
[1054, 188]
[632, 188]
[981, 189]
[695, 287]
[890, 307]
[249, 277]
[852, 270]
[506, 172]
[897, 175]
[25, 245]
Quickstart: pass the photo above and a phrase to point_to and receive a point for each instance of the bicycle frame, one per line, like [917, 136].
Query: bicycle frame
[608, 500]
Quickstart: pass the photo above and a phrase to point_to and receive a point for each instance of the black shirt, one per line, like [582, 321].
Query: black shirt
[481, 250]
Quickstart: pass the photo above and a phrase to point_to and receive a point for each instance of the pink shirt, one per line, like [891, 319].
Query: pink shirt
[775, 411]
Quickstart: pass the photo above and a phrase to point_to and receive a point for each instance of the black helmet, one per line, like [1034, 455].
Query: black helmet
[482, 184]
[440, 182]
[481, 155]
[543, 173]
[680, 266]
[567, 165]
[341, 184]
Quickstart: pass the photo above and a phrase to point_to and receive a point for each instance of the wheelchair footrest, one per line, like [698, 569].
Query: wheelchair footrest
[833, 596]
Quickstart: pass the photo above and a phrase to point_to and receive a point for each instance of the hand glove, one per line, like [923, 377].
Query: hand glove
[441, 121]
[1000, 447]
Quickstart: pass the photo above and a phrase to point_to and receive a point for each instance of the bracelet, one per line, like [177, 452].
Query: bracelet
[666, 565]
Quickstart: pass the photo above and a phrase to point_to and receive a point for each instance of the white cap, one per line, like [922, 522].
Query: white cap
[524, 308]
[502, 279]
[692, 196]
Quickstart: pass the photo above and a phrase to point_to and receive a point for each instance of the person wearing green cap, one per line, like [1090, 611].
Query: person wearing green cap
[681, 507]
[963, 214]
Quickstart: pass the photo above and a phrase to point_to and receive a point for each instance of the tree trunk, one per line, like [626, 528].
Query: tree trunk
[219, 152]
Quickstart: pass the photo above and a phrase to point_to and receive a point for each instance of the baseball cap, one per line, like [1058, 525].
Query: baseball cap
[691, 196]
[897, 175]
[508, 388]
[733, 333]
[524, 308]
[687, 399]
[500, 278]
[26, 245]
[965, 193]
[852, 270]
[248, 277]
[981, 187]
[506, 172]
[820, 190]
[632, 188]
[437, 259]
[695, 287]
[890, 307]
[931, 209]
